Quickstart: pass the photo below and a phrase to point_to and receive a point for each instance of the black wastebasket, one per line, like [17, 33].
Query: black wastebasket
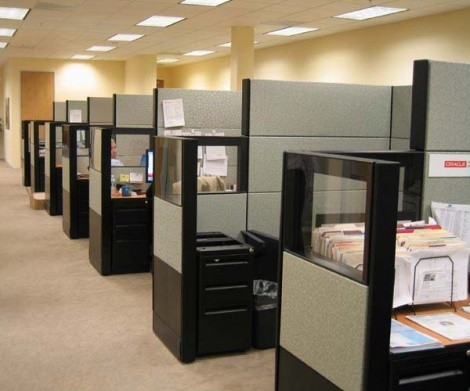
[264, 315]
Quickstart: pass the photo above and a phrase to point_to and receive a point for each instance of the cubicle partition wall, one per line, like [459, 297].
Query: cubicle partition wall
[281, 115]
[76, 111]
[401, 118]
[185, 204]
[334, 319]
[120, 225]
[100, 111]
[60, 111]
[53, 168]
[25, 154]
[37, 139]
[75, 180]
[440, 127]
[133, 111]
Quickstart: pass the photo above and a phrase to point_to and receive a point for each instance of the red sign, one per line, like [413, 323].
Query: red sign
[455, 164]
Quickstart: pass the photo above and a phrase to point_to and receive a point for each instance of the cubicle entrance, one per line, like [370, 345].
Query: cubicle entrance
[37, 139]
[53, 168]
[25, 154]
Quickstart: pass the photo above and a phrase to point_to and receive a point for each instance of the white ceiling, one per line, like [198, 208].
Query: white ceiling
[63, 28]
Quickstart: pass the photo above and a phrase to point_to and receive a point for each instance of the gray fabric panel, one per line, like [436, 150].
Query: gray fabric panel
[265, 155]
[95, 191]
[447, 190]
[101, 111]
[401, 112]
[400, 144]
[281, 108]
[66, 173]
[79, 105]
[205, 109]
[168, 233]
[323, 321]
[448, 117]
[60, 113]
[206, 131]
[134, 111]
[130, 147]
[264, 212]
[221, 212]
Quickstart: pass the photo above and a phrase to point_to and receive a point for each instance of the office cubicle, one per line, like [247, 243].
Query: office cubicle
[334, 318]
[100, 111]
[53, 168]
[76, 111]
[281, 115]
[183, 207]
[25, 154]
[37, 139]
[75, 180]
[120, 224]
[60, 111]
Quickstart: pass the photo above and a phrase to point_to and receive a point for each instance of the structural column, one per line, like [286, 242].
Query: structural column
[242, 56]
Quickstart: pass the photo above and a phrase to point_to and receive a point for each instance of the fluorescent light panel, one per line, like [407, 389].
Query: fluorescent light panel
[289, 31]
[125, 37]
[7, 32]
[371, 12]
[160, 21]
[208, 3]
[13, 13]
[3, 45]
[167, 60]
[82, 57]
[197, 53]
[100, 48]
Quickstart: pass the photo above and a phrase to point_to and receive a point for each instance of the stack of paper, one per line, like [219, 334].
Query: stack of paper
[404, 339]
[447, 324]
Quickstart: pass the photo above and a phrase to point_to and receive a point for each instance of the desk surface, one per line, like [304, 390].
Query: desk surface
[117, 195]
[429, 309]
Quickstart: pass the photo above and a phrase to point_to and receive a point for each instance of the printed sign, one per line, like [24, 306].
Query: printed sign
[449, 165]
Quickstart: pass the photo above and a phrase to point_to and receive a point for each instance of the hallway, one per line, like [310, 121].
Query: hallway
[65, 327]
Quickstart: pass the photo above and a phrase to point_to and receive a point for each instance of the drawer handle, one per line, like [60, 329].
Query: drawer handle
[430, 377]
[227, 263]
[222, 288]
[226, 311]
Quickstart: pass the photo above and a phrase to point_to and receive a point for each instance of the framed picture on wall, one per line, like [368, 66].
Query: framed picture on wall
[7, 113]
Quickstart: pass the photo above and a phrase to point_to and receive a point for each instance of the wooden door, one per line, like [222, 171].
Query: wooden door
[37, 95]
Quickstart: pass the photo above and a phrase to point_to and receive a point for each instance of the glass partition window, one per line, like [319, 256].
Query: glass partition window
[217, 168]
[329, 219]
[95, 157]
[42, 141]
[58, 146]
[128, 160]
[169, 169]
[83, 153]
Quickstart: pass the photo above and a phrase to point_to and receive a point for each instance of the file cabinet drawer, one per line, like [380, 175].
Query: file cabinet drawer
[225, 273]
[226, 296]
[224, 331]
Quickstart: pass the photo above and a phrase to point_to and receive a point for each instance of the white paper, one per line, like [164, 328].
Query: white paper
[199, 153]
[453, 217]
[167, 133]
[447, 324]
[215, 152]
[75, 116]
[173, 113]
[447, 165]
[176, 132]
[215, 167]
[136, 177]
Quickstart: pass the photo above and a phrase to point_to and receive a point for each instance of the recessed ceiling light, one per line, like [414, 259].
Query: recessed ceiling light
[82, 57]
[229, 44]
[289, 31]
[100, 48]
[208, 3]
[13, 13]
[160, 21]
[197, 53]
[3, 45]
[7, 32]
[371, 12]
[125, 37]
[167, 60]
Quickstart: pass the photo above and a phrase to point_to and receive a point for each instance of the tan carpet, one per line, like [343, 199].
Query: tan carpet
[65, 327]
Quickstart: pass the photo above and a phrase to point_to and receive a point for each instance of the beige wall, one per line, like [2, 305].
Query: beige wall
[376, 55]
[140, 75]
[204, 75]
[74, 80]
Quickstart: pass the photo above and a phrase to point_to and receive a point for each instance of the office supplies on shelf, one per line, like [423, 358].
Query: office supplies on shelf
[447, 324]
[404, 339]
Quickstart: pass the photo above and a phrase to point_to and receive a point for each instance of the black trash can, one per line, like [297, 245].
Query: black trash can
[264, 314]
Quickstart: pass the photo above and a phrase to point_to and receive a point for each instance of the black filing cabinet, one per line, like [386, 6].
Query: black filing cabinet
[225, 302]
[131, 235]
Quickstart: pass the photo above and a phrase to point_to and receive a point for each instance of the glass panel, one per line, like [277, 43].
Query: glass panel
[168, 170]
[217, 168]
[58, 145]
[83, 153]
[42, 141]
[128, 160]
